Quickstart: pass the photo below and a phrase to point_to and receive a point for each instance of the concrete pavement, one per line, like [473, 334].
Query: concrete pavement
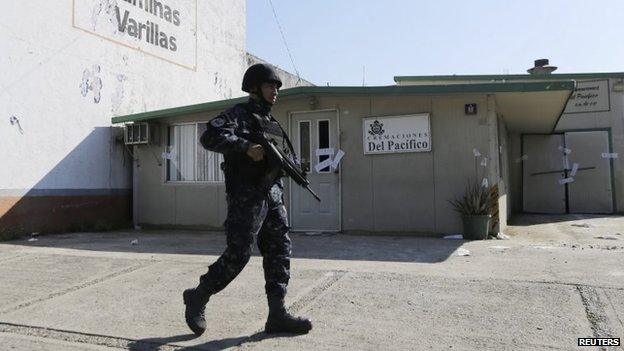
[550, 284]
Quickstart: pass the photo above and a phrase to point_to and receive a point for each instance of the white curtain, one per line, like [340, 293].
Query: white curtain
[208, 162]
[189, 160]
[182, 145]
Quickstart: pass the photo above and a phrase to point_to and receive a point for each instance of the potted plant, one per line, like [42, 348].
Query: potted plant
[475, 207]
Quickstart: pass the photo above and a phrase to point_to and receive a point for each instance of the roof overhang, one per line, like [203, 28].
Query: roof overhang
[528, 107]
[532, 112]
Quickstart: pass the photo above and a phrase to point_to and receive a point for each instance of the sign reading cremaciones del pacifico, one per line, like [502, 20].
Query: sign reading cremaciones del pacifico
[166, 29]
[394, 134]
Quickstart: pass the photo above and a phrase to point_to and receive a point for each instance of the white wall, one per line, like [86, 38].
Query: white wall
[63, 83]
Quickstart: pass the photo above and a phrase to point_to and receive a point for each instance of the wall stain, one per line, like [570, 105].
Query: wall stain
[118, 97]
[222, 86]
[91, 82]
[15, 121]
[108, 6]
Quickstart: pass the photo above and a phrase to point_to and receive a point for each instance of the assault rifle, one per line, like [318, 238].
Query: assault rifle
[288, 166]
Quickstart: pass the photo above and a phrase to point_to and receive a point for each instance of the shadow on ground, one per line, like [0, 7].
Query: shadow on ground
[330, 247]
[152, 344]
[527, 219]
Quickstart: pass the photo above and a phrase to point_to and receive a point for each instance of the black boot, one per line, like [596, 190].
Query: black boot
[195, 301]
[280, 321]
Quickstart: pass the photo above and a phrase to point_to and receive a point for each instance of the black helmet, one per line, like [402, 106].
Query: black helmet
[258, 74]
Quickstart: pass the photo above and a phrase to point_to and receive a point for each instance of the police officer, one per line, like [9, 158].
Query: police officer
[255, 205]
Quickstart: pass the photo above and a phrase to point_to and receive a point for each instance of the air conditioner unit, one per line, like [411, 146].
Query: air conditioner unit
[142, 133]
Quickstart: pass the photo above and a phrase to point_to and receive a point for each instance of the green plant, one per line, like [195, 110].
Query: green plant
[476, 201]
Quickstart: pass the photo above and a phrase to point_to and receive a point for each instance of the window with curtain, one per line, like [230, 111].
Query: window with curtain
[188, 161]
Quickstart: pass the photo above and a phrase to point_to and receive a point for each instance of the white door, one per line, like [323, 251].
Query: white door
[591, 190]
[312, 131]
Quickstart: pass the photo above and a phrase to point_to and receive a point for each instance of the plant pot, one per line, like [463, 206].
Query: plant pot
[476, 227]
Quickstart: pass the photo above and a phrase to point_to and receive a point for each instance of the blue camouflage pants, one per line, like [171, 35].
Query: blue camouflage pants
[252, 212]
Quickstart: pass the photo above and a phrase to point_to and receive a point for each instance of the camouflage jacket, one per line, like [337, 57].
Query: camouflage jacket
[232, 133]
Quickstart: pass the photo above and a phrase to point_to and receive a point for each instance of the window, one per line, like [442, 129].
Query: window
[323, 142]
[188, 160]
[304, 145]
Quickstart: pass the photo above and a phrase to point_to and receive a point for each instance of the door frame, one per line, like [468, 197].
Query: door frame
[562, 132]
[291, 184]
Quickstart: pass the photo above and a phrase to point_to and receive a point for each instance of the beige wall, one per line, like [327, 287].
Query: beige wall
[200, 205]
[504, 171]
[380, 193]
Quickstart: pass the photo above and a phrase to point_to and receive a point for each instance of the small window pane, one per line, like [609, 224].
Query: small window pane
[172, 168]
[323, 141]
[182, 147]
[136, 133]
[143, 132]
[304, 145]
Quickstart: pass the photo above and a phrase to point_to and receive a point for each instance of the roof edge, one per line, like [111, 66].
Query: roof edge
[491, 77]
[350, 90]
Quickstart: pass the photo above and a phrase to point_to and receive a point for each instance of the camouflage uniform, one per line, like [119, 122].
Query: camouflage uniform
[255, 203]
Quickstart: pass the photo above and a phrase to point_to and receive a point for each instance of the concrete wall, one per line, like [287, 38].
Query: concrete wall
[289, 80]
[380, 193]
[505, 197]
[67, 69]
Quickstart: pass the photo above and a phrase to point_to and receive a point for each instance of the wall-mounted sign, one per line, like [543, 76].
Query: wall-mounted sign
[590, 96]
[393, 134]
[166, 29]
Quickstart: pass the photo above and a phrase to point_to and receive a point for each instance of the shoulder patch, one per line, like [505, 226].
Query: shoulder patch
[217, 122]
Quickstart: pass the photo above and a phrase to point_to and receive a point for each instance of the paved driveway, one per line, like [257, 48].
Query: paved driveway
[555, 280]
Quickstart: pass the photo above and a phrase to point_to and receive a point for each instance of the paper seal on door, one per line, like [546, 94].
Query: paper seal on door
[609, 155]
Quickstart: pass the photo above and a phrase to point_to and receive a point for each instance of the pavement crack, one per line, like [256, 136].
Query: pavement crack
[86, 338]
[615, 311]
[304, 300]
[299, 304]
[4, 259]
[595, 312]
[77, 287]
[554, 282]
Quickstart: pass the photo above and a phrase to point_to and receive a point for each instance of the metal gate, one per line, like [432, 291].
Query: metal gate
[567, 173]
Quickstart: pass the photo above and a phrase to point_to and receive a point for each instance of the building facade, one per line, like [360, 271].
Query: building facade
[68, 66]
[382, 159]
[576, 168]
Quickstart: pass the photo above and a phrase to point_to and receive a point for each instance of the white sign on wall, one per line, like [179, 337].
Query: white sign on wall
[166, 29]
[394, 134]
[592, 96]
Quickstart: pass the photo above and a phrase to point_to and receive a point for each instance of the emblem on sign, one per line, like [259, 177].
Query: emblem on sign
[376, 128]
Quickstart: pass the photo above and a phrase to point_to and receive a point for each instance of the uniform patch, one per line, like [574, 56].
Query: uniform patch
[217, 122]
